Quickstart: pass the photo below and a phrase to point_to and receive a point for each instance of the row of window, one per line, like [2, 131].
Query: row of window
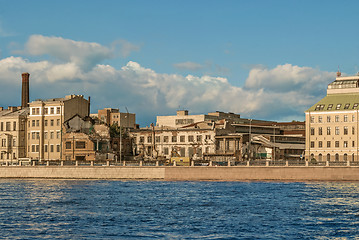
[78, 145]
[47, 110]
[337, 107]
[8, 155]
[329, 130]
[329, 118]
[9, 142]
[36, 123]
[36, 135]
[36, 148]
[174, 139]
[336, 157]
[176, 151]
[6, 126]
[329, 144]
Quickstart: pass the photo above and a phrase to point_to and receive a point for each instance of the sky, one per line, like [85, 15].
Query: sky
[262, 59]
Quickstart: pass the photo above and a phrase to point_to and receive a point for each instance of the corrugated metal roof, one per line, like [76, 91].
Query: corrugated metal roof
[331, 103]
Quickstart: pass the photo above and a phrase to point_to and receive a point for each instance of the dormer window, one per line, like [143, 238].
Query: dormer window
[330, 106]
[355, 105]
[338, 106]
[347, 106]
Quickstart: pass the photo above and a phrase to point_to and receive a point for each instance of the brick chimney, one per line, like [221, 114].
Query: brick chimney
[25, 90]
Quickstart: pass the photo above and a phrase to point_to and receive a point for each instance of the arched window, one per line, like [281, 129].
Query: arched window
[328, 157]
[320, 157]
[336, 157]
[353, 157]
[345, 157]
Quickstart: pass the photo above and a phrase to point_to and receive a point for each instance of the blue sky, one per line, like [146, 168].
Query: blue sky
[262, 59]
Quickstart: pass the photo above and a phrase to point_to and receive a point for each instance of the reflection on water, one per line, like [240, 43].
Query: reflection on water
[67, 209]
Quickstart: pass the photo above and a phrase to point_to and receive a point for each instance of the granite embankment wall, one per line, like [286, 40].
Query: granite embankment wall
[185, 173]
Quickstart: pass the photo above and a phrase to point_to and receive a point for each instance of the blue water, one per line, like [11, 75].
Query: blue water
[68, 209]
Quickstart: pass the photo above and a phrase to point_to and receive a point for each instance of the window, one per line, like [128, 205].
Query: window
[33, 111]
[158, 139]
[58, 110]
[312, 119]
[345, 130]
[165, 139]
[14, 126]
[142, 139]
[46, 110]
[328, 157]
[208, 137]
[353, 118]
[312, 131]
[2, 126]
[312, 144]
[52, 110]
[58, 122]
[45, 123]
[51, 135]
[345, 157]
[190, 138]
[37, 123]
[45, 148]
[33, 135]
[346, 105]
[3, 143]
[320, 131]
[355, 105]
[320, 157]
[317, 107]
[328, 144]
[182, 138]
[353, 143]
[58, 148]
[320, 144]
[336, 143]
[33, 148]
[149, 139]
[52, 122]
[199, 138]
[338, 106]
[336, 130]
[37, 111]
[51, 148]
[328, 119]
[320, 119]
[336, 157]
[80, 145]
[353, 130]
[330, 106]
[174, 138]
[328, 130]
[8, 126]
[58, 134]
[37, 135]
[45, 135]
[336, 118]
[37, 148]
[345, 144]
[165, 150]
[345, 118]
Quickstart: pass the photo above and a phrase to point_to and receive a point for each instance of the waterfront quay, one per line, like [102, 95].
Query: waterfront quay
[212, 171]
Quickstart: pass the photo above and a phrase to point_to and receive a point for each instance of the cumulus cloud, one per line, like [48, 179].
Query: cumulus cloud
[191, 66]
[274, 94]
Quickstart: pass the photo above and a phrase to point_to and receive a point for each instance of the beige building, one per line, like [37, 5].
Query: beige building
[112, 116]
[45, 124]
[332, 123]
[13, 133]
[183, 118]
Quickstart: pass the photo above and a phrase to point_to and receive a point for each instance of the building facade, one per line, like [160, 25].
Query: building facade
[112, 116]
[45, 124]
[13, 133]
[332, 123]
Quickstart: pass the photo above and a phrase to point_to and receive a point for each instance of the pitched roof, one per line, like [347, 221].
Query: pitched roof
[337, 102]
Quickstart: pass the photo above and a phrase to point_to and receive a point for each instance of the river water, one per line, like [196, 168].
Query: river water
[69, 209]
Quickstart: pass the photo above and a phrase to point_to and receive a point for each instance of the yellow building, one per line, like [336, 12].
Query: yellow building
[45, 124]
[332, 123]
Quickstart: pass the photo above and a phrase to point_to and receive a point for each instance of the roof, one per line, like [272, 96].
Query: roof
[9, 113]
[337, 102]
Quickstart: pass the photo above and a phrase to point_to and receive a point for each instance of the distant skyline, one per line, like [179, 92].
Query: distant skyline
[267, 60]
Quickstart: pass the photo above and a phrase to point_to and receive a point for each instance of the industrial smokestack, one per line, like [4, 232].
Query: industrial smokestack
[25, 90]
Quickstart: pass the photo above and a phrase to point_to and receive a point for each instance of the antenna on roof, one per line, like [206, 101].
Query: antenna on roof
[339, 73]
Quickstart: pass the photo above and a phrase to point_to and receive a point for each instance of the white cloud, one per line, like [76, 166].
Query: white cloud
[124, 48]
[272, 94]
[191, 66]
